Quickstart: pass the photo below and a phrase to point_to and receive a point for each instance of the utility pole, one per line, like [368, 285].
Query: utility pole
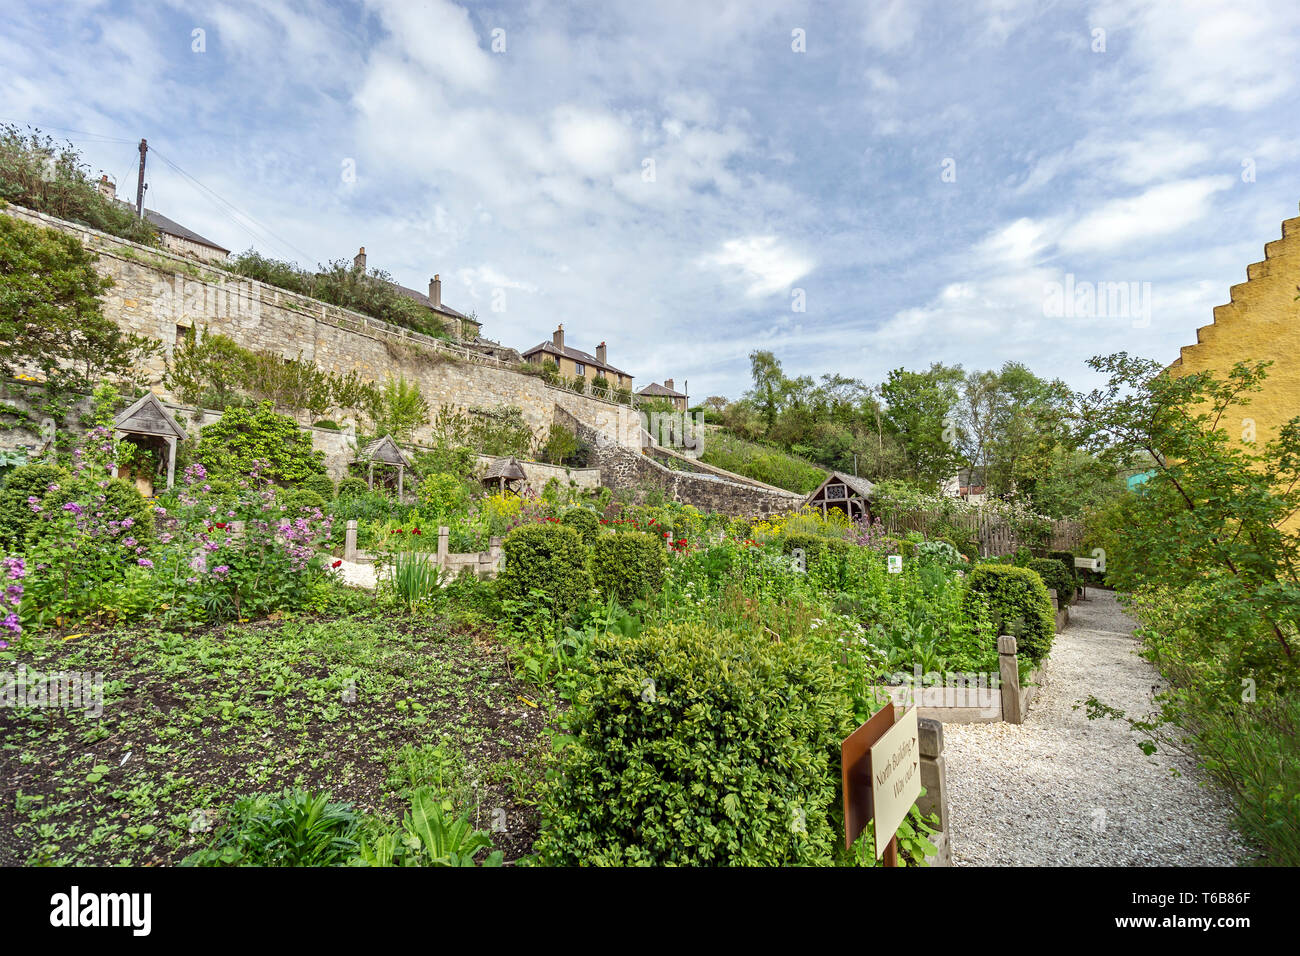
[139, 186]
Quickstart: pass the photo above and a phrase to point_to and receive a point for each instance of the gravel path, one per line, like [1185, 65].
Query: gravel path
[1061, 790]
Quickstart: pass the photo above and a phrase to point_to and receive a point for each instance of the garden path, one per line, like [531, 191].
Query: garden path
[1062, 790]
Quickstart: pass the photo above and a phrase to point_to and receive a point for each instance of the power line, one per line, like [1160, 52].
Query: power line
[234, 213]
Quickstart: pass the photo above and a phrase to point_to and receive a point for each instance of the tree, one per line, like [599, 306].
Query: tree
[51, 320]
[921, 411]
[1216, 512]
[400, 409]
[769, 386]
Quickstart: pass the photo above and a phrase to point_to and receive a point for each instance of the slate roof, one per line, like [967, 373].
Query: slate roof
[655, 390]
[425, 301]
[586, 358]
[173, 228]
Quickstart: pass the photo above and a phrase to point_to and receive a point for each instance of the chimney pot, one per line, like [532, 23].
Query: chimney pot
[558, 338]
[435, 290]
[107, 188]
[668, 384]
[359, 260]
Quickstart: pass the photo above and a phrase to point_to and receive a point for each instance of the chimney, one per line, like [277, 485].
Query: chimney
[668, 384]
[435, 291]
[359, 260]
[107, 189]
[558, 338]
[600, 354]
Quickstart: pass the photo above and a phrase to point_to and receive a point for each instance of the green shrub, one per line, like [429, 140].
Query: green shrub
[937, 552]
[899, 546]
[235, 444]
[442, 495]
[1067, 559]
[628, 565]
[323, 485]
[697, 746]
[583, 521]
[297, 500]
[16, 517]
[740, 528]
[549, 558]
[1018, 604]
[123, 495]
[1054, 578]
[353, 488]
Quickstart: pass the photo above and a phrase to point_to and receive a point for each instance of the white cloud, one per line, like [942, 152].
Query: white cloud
[1159, 211]
[764, 263]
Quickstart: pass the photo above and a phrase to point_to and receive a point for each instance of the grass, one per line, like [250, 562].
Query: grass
[364, 709]
[761, 462]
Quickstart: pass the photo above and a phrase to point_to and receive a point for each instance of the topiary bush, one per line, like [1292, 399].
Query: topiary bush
[123, 495]
[16, 517]
[699, 747]
[549, 558]
[352, 488]
[298, 500]
[323, 485]
[1067, 559]
[1017, 603]
[1054, 578]
[628, 565]
[585, 522]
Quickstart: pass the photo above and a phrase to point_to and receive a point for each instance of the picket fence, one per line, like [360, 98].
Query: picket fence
[995, 535]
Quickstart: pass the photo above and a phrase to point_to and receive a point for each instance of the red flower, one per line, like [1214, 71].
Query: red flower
[221, 525]
[415, 531]
[337, 563]
[667, 535]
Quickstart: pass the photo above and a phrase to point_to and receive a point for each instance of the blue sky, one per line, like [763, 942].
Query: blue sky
[919, 176]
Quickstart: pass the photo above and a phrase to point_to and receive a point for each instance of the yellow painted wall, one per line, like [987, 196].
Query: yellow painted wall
[1261, 322]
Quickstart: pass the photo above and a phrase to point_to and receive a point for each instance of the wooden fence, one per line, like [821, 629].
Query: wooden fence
[994, 534]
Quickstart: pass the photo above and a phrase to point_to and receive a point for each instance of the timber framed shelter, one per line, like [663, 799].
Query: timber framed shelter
[504, 472]
[385, 451]
[148, 419]
[847, 493]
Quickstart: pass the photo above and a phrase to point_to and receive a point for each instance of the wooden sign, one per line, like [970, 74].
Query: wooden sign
[1088, 564]
[855, 772]
[895, 777]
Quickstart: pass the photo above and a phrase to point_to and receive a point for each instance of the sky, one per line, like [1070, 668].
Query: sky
[856, 187]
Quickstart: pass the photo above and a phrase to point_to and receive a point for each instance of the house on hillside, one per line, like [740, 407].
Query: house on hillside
[460, 326]
[665, 392]
[574, 363]
[175, 237]
[968, 483]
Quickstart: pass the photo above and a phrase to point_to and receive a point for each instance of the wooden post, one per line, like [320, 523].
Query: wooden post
[370, 477]
[934, 778]
[350, 541]
[401, 474]
[444, 538]
[1010, 673]
[171, 461]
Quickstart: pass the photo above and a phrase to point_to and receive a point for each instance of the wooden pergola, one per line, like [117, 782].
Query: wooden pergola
[385, 451]
[847, 493]
[147, 418]
[503, 473]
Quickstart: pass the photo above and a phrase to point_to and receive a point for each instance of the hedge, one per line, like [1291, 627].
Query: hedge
[16, 516]
[1054, 577]
[628, 565]
[549, 558]
[584, 521]
[694, 746]
[1018, 604]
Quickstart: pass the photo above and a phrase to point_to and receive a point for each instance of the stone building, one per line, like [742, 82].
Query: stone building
[1261, 321]
[666, 392]
[460, 326]
[574, 363]
[175, 237]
